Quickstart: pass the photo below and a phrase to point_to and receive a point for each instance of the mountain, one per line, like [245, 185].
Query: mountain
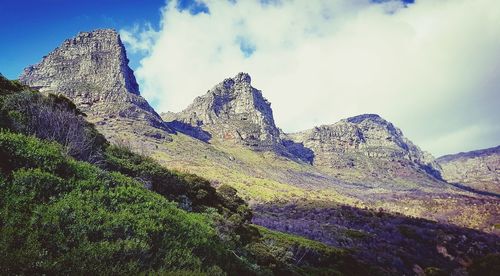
[232, 111]
[479, 169]
[367, 148]
[92, 70]
[363, 161]
[126, 214]
[358, 184]
[229, 136]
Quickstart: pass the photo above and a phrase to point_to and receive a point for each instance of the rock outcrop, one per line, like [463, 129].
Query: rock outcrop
[92, 70]
[232, 111]
[479, 170]
[367, 144]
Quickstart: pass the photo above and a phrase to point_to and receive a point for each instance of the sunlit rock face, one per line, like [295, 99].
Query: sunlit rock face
[232, 111]
[478, 169]
[92, 70]
[366, 143]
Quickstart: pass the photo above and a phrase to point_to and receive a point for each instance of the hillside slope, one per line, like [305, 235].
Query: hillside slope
[479, 169]
[229, 136]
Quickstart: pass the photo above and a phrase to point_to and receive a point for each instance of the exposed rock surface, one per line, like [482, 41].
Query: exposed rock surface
[478, 169]
[368, 144]
[233, 111]
[92, 70]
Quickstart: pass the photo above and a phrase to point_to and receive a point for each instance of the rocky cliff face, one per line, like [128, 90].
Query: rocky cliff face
[92, 70]
[479, 169]
[367, 144]
[232, 111]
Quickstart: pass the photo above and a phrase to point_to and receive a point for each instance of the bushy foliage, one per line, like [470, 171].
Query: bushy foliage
[8, 86]
[53, 118]
[194, 192]
[190, 191]
[391, 243]
[65, 216]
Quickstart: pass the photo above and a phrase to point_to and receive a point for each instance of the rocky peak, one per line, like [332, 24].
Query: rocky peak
[92, 70]
[479, 169]
[370, 117]
[368, 137]
[232, 110]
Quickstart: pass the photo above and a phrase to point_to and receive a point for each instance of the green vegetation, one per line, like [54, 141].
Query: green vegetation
[72, 204]
[65, 216]
[279, 250]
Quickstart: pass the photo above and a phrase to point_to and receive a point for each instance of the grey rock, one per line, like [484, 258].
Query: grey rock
[232, 111]
[478, 169]
[366, 143]
[92, 70]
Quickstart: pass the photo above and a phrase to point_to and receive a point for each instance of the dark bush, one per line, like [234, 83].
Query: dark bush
[53, 118]
[488, 265]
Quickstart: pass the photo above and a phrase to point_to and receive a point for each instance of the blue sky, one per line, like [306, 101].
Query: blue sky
[31, 29]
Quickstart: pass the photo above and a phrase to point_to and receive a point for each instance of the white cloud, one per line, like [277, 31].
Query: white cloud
[139, 39]
[433, 69]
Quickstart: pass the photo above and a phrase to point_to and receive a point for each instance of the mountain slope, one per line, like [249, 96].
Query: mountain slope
[478, 169]
[92, 70]
[368, 148]
[129, 215]
[229, 136]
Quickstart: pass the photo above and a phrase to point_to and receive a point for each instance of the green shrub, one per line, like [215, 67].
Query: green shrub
[19, 151]
[121, 230]
[194, 192]
[61, 216]
[9, 87]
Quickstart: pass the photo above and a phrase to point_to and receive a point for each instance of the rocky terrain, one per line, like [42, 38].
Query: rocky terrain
[371, 147]
[92, 70]
[229, 136]
[232, 111]
[478, 169]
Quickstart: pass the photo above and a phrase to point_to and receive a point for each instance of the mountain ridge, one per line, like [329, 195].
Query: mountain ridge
[228, 135]
[478, 169]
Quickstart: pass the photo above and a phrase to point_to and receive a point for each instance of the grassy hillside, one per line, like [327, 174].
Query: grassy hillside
[70, 203]
[264, 177]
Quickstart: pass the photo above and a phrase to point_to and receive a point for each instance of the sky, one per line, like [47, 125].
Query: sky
[431, 67]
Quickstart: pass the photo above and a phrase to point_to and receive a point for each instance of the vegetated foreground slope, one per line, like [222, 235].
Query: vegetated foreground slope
[125, 214]
[479, 170]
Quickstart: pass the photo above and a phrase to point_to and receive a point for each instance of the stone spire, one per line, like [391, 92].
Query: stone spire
[234, 111]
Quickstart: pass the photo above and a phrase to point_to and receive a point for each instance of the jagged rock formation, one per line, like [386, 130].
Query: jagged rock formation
[233, 111]
[367, 144]
[92, 70]
[478, 169]
[362, 160]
